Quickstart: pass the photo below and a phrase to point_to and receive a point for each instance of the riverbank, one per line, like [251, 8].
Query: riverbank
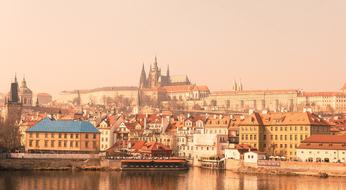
[289, 168]
[284, 169]
[49, 164]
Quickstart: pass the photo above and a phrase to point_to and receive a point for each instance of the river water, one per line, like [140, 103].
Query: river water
[195, 178]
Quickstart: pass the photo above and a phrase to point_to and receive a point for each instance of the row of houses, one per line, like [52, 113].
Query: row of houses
[301, 136]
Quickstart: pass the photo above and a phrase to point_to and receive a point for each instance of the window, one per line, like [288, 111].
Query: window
[51, 143]
[255, 137]
[45, 143]
[77, 136]
[86, 144]
[94, 136]
[65, 136]
[71, 143]
[30, 135]
[86, 136]
[37, 143]
[65, 143]
[60, 135]
[52, 135]
[46, 135]
[30, 142]
[59, 143]
[77, 144]
[71, 136]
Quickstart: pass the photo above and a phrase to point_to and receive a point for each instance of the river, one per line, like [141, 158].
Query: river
[195, 178]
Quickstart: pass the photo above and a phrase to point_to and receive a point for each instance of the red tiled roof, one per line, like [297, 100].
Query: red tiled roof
[142, 146]
[44, 94]
[325, 139]
[279, 118]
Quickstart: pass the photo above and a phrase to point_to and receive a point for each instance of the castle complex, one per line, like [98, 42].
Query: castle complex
[157, 89]
[155, 78]
[168, 91]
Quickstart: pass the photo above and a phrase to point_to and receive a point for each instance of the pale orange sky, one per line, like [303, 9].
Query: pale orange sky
[82, 44]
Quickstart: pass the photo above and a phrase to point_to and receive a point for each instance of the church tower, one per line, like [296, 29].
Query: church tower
[13, 110]
[154, 75]
[143, 79]
[14, 97]
[25, 94]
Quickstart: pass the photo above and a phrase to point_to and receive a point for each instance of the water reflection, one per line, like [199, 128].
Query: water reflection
[193, 179]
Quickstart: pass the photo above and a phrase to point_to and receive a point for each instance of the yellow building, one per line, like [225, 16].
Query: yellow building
[279, 134]
[62, 136]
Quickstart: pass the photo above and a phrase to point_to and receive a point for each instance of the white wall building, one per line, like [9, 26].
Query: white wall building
[253, 157]
[323, 148]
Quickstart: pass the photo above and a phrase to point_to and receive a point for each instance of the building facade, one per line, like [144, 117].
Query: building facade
[65, 136]
[279, 134]
[323, 148]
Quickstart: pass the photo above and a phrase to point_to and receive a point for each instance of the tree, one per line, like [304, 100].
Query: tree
[9, 135]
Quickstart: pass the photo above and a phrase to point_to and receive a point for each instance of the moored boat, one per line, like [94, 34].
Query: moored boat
[152, 164]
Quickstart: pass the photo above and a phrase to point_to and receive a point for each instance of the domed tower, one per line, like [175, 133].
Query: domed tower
[25, 94]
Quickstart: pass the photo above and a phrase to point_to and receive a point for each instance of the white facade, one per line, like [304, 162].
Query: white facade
[321, 155]
[253, 157]
[232, 153]
[106, 136]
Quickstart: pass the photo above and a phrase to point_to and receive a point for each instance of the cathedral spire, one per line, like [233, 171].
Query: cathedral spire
[142, 80]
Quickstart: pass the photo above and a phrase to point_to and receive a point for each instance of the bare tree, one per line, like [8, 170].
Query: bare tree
[9, 135]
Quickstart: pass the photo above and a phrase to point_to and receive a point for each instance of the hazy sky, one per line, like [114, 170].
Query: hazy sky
[81, 44]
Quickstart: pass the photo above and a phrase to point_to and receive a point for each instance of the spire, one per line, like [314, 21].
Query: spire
[15, 78]
[37, 102]
[235, 86]
[167, 71]
[23, 83]
[142, 80]
[240, 85]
